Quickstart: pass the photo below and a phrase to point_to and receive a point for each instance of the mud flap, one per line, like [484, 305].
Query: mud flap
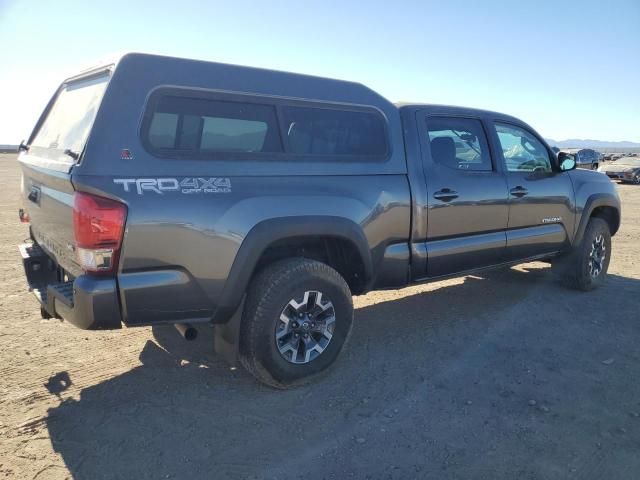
[227, 337]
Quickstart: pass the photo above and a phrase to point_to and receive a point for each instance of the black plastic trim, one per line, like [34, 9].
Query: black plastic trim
[594, 201]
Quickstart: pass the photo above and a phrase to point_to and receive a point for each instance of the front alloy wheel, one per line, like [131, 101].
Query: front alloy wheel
[586, 266]
[597, 256]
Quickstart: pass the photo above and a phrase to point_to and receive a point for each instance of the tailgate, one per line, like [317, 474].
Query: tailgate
[48, 200]
[55, 146]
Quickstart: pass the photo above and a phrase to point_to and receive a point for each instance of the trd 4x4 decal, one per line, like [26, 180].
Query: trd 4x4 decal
[187, 185]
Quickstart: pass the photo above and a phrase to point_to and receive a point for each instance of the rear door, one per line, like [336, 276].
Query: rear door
[541, 197]
[467, 207]
[54, 148]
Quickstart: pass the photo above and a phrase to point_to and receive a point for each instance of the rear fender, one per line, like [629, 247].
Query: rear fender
[269, 231]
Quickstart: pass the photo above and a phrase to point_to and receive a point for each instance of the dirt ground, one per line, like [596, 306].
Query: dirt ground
[505, 375]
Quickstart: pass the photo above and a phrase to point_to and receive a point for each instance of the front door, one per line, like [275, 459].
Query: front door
[541, 197]
[467, 207]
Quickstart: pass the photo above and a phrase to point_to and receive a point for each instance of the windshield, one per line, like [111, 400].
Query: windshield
[632, 162]
[69, 121]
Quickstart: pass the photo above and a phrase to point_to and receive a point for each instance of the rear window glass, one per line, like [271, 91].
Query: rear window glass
[69, 121]
[320, 131]
[204, 125]
[459, 143]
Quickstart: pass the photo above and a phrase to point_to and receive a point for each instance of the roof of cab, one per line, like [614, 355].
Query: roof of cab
[456, 110]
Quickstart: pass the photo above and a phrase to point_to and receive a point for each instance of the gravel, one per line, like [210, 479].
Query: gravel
[143, 403]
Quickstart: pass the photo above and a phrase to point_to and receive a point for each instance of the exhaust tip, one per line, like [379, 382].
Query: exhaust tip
[186, 331]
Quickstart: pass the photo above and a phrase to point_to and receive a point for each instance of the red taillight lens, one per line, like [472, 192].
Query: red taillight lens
[98, 225]
[24, 216]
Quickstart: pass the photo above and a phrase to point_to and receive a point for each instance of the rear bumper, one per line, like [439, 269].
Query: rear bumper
[90, 303]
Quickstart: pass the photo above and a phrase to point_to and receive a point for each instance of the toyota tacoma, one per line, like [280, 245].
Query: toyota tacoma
[161, 190]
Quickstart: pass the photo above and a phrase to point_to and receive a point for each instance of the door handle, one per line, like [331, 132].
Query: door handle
[446, 195]
[518, 191]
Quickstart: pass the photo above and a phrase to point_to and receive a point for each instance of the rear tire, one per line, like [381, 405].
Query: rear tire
[586, 266]
[297, 318]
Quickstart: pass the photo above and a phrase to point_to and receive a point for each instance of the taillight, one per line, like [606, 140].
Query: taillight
[24, 216]
[98, 226]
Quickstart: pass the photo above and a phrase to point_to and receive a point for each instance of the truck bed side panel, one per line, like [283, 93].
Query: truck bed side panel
[188, 242]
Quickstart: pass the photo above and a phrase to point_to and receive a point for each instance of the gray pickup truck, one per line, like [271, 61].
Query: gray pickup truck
[169, 191]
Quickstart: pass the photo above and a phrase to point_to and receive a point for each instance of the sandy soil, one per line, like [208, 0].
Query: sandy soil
[505, 375]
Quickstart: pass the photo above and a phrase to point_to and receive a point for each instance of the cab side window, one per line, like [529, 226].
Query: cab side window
[521, 150]
[459, 143]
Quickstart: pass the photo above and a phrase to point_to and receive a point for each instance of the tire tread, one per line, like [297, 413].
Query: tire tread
[261, 289]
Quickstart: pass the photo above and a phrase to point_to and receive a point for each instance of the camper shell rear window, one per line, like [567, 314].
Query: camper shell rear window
[183, 123]
[68, 121]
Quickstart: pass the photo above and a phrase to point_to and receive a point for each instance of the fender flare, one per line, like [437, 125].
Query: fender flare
[265, 233]
[594, 201]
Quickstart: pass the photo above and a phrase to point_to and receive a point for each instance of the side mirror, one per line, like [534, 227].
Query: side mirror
[567, 161]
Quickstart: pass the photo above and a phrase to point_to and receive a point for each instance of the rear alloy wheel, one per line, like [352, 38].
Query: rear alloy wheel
[305, 327]
[586, 267]
[296, 320]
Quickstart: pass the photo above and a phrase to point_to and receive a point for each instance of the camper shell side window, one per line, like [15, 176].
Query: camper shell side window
[189, 123]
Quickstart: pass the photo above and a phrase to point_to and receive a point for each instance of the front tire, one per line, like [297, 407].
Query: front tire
[297, 318]
[587, 264]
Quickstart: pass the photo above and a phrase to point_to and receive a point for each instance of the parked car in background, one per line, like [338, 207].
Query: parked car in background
[585, 157]
[627, 169]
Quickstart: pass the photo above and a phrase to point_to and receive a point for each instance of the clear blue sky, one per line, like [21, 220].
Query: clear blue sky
[570, 68]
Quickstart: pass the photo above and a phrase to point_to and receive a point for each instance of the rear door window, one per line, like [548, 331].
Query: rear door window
[198, 125]
[459, 143]
[69, 121]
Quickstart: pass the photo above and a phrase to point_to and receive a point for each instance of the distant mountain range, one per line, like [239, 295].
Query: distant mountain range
[595, 144]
